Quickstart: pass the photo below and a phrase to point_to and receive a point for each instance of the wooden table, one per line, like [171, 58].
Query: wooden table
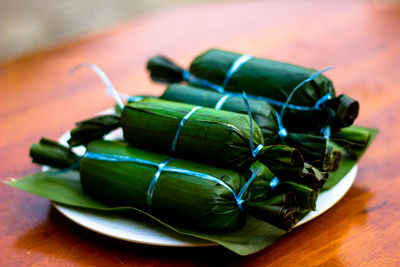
[360, 40]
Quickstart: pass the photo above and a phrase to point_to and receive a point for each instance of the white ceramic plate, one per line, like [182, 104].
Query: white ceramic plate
[145, 231]
[148, 232]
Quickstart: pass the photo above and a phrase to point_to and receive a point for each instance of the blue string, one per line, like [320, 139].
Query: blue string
[135, 98]
[235, 66]
[152, 185]
[319, 105]
[104, 78]
[70, 168]
[181, 124]
[222, 101]
[162, 167]
[254, 152]
[321, 102]
[187, 76]
[282, 131]
[239, 197]
[274, 182]
[291, 106]
[326, 132]
[190, 78]
[309, 79]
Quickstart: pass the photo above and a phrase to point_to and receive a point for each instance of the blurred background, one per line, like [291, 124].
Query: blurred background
[29, 25]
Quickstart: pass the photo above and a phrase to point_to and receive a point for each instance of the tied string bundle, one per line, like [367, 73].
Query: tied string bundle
[285, 105]
[239, 62]
[266, 80]
[286, 162]
[312, 146]
[110, 89]
[319, 105]
[283, 160]
[185, 75]
[277, 208]
[118, 99]
[162, 167]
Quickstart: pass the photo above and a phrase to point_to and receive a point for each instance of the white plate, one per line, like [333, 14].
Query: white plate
[148, 232]
[145, 231]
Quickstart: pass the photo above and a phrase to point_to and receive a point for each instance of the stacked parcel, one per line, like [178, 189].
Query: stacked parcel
[206, 167]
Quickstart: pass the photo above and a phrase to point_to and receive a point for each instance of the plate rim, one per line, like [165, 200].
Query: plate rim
[64, 211]
[347, 181]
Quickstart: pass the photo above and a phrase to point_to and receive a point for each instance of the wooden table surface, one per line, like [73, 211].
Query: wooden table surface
[360, 40]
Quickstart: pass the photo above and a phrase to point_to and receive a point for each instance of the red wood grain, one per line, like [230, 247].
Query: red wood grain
[360, 40]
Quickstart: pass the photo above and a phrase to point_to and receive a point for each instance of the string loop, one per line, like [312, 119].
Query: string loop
[104, 78]
[181, 124]
[222, 101]
[254, 152]
[309, 79]
[274, 182]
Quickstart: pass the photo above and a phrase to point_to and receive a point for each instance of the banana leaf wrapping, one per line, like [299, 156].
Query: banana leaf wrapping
[313, 147]
[64, 188]
[181, 192]
[311, 108]
[212, 136]
[352, 140]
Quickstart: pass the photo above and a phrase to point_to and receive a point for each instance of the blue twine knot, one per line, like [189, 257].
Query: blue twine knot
[326, 132]
[320, 104]
[274, 182]
[185, 75]
[282, 131]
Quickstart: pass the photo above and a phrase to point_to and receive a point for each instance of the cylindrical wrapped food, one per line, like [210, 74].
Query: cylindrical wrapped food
[313, 148]
[218, 137]
[312, 107]
[185, 193]
[353, 140]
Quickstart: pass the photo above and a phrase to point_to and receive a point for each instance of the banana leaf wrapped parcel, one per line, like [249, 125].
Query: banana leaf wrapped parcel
[202, 134]
[195, 195]
[212, 165]
[314, 148]
[311, 108]
[64, 187]
[352, 140]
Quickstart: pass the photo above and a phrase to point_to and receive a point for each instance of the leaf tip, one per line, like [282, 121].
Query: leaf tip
[9, 180]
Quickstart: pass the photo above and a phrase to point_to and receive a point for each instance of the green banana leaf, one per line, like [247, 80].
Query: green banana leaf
[352, 140]
[349, 160]
[270, 79]
[65, 188]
